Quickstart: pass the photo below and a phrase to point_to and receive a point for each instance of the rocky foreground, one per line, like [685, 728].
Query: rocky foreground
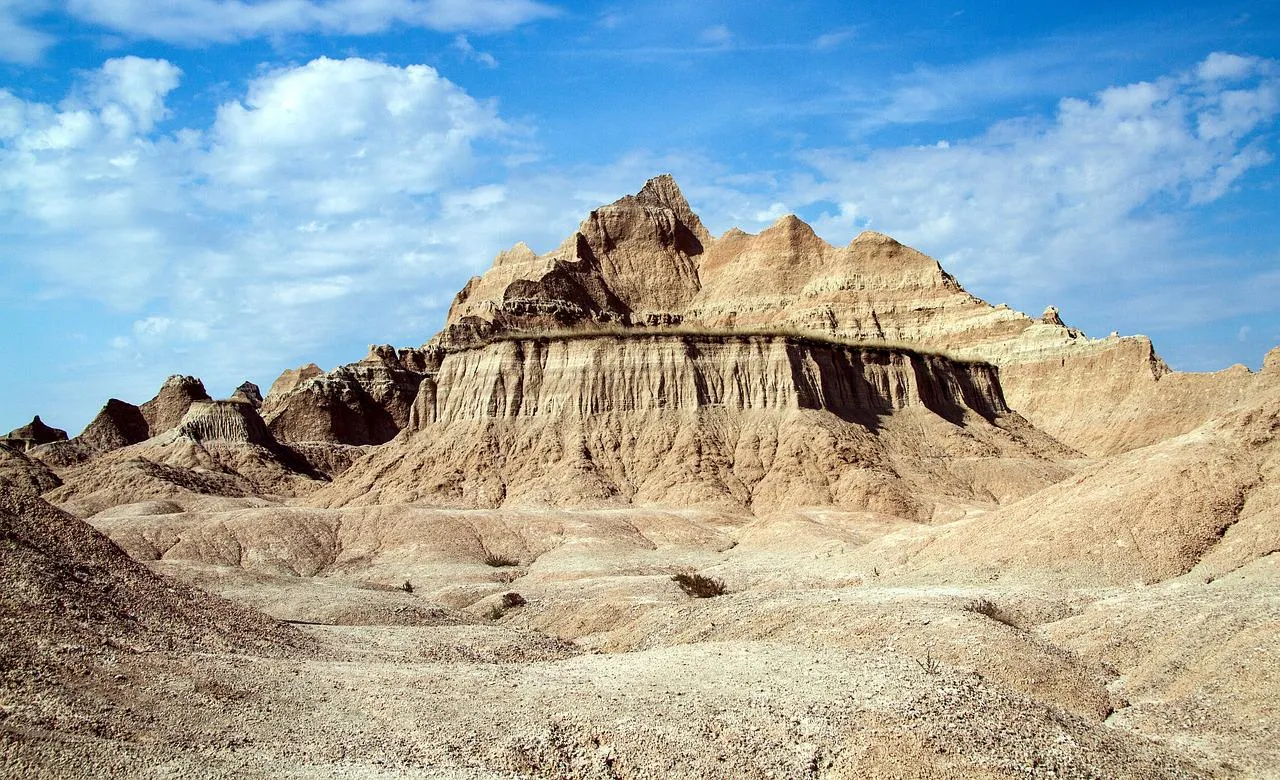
[939, 539]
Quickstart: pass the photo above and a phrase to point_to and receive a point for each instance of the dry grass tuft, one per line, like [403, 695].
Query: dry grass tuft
[699, 586]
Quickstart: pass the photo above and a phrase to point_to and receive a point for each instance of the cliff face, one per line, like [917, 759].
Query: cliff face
[591, 375]
[734, 421]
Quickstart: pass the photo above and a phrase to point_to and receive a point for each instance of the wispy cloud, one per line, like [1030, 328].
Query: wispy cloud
[834, 38]
[20, 42]
[223, 21]
[1097, 191]
[462, 45]
[717, 35]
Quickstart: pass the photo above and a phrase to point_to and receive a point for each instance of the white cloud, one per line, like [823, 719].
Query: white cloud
[835, 38]
[1095, 192]
[129, 93]
[19, 42]
[469, 52]
[197, 21]
[717, 35]
[312, 208]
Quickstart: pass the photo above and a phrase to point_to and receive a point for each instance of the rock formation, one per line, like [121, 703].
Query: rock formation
[787, 279]
[117, 425]
[171, 403]
[249, 393]
[358, 404]
[738, 421]
[33, 434]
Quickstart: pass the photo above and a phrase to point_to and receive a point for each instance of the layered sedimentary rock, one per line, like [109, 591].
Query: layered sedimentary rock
[730, 420]
[363, 403]
[235, 421]
[646, 260]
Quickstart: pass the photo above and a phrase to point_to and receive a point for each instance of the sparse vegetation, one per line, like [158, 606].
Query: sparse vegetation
[498, 561]
[930, 664]
[407, 587]
[989, 609]
[510, 600]
[700, 586]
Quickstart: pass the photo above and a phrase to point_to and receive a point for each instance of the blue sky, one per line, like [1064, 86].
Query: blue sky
[228, 189]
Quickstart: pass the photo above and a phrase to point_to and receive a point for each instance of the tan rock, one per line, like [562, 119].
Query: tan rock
[358, 404]
[170, 405]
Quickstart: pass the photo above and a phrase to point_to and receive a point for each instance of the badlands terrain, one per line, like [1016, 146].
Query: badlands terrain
[954, 540]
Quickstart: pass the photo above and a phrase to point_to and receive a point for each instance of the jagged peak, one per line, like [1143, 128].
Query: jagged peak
[793, 227]
[662, 190]
[519, 253]
[182, 380]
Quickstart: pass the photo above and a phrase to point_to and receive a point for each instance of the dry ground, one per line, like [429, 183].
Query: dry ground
[829, 657]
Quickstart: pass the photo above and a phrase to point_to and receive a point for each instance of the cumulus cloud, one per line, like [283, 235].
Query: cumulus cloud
[1096, 191]
[200, 21]
[312, 207]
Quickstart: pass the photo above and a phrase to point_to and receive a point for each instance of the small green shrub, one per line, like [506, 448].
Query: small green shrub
[699, 586]
[930, 664]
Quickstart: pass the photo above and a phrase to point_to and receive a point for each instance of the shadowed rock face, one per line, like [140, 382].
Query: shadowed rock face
[33, 434]
[249, 393]
[119, 424]
[590, 375]
[358, 404]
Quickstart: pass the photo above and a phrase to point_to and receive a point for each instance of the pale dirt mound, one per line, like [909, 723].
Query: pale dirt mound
[1206, 498]
[70, 597]
[1198, 663]
[716, 709]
